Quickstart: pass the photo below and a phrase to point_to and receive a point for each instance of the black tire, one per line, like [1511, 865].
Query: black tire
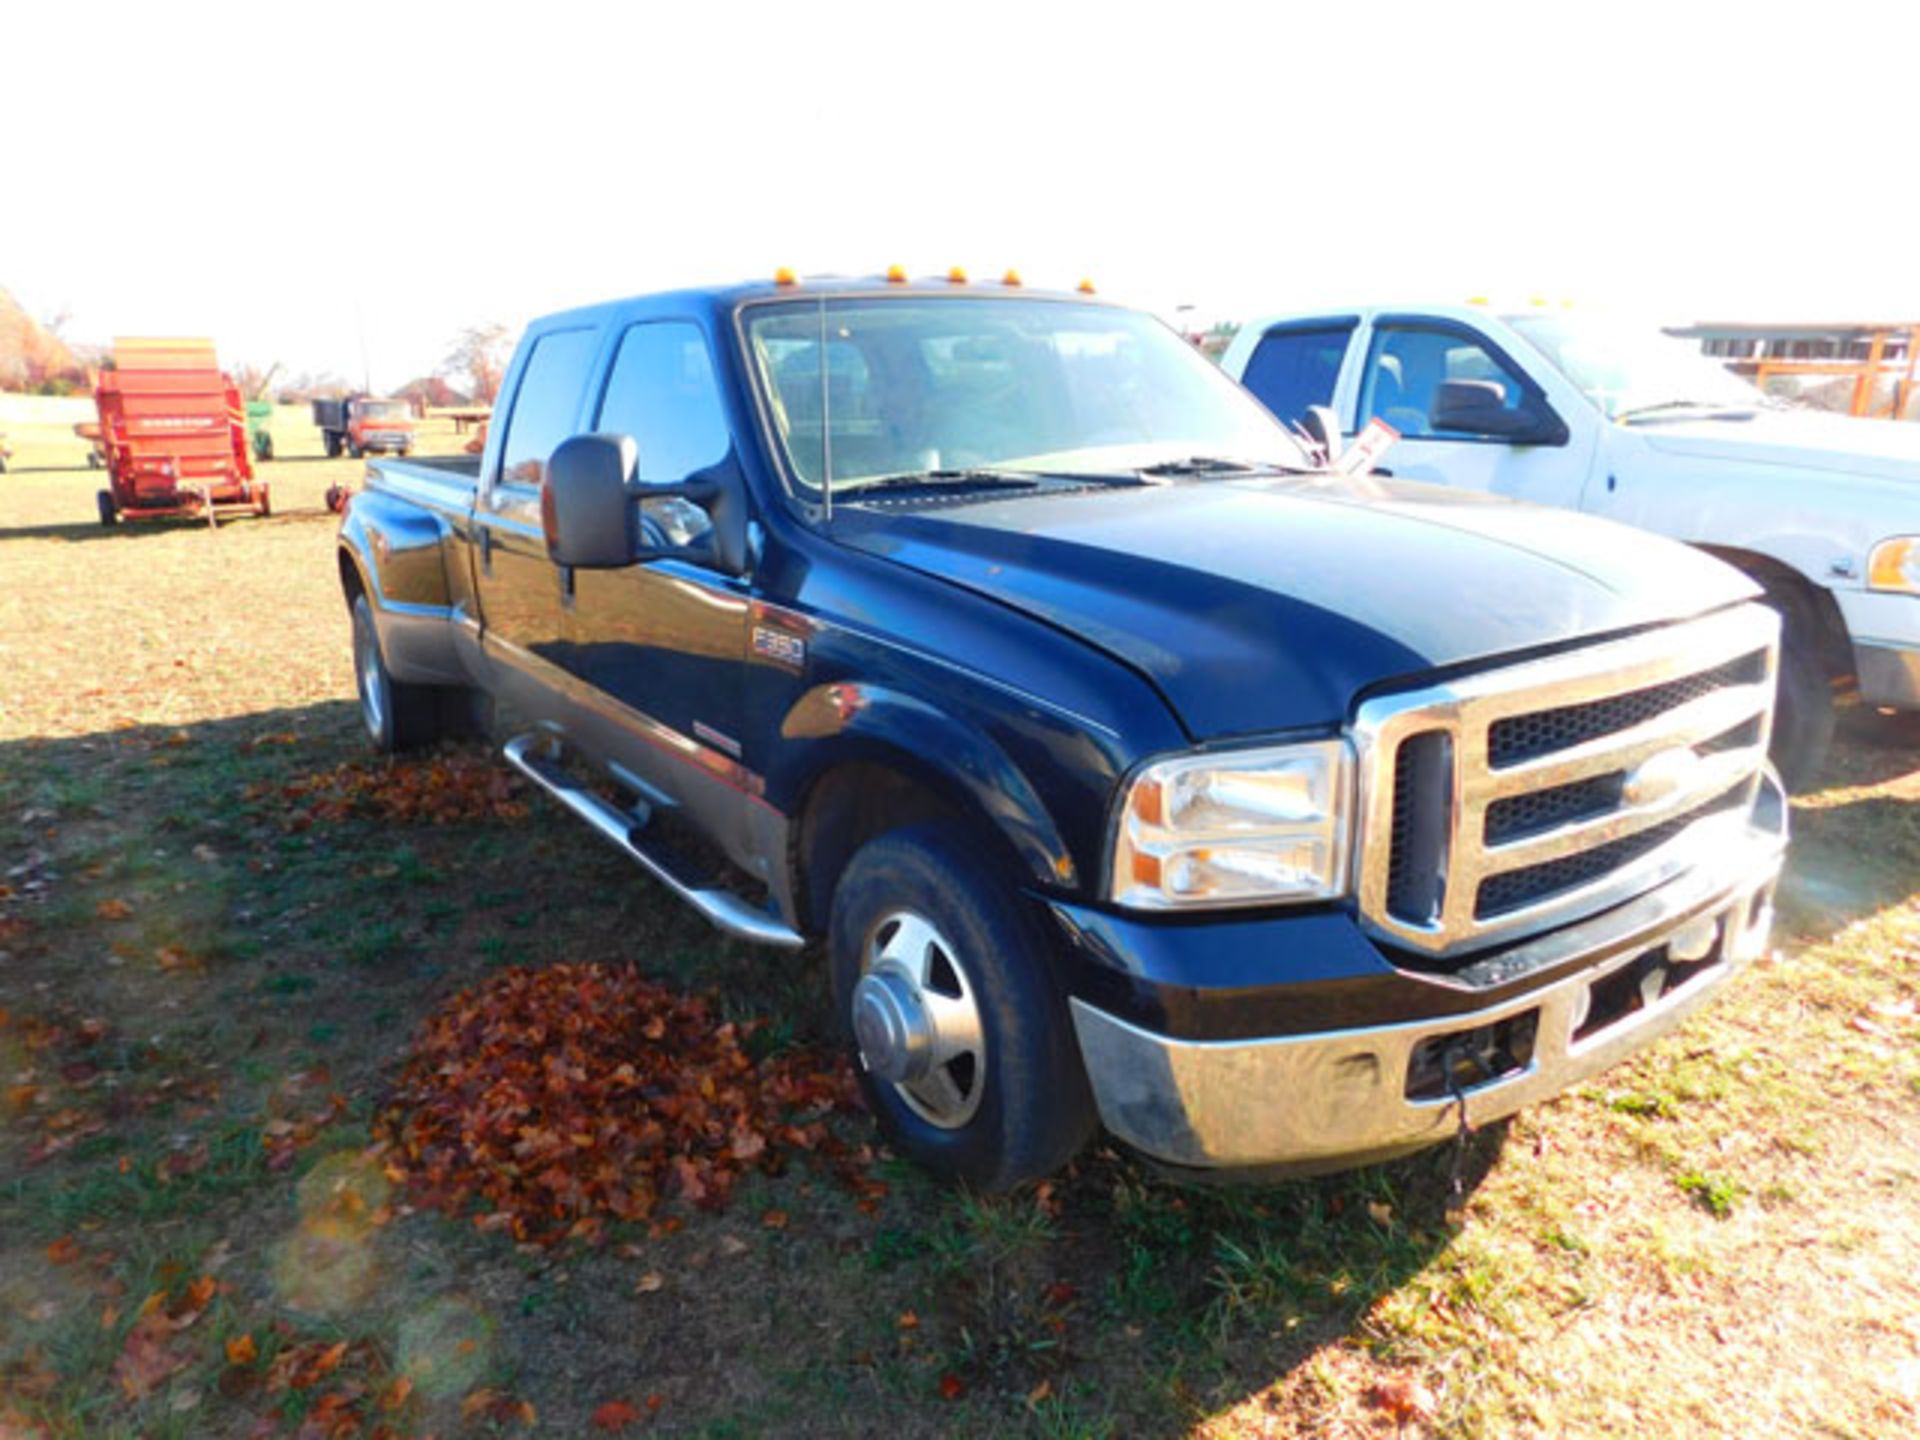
[397, 716]
[1804, 715]
[1033, 1110]
[103, 502]
[354, 452]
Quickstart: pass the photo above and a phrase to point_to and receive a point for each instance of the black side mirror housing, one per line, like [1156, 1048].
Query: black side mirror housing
[586, 504]
[1478, 407]
[590, 508]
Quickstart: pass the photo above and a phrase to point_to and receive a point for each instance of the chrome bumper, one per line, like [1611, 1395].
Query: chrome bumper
[1342, 1098]
[1889, 674]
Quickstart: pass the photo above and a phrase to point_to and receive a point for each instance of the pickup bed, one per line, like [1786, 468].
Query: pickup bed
[1563, 408]
[1129, 767]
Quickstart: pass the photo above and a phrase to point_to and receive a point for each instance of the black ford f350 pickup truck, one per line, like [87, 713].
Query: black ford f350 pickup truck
[1134, 768]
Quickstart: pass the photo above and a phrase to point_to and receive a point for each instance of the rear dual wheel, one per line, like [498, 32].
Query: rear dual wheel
[961, 1036]
[103, 502]
[399, 715]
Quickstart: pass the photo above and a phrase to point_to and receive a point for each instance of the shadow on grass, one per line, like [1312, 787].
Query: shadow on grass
[1113, 1301]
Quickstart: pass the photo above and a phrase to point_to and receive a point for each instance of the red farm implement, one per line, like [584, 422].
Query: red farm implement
[173, 434]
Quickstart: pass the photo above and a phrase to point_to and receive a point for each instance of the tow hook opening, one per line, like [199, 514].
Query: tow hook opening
[1647, 980]
[1462, 1061]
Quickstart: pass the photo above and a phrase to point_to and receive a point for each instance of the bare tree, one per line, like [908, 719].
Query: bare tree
[480, 353]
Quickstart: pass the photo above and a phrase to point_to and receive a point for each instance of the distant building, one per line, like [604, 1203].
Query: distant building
[1754, 341]
[1865, 368]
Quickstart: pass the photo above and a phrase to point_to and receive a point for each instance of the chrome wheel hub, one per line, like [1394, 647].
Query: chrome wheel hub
[916, 1021]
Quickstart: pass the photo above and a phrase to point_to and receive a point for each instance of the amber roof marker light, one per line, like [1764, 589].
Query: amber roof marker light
[785, 276]
[896, 274]
[1085, 287]
[1011, 278]
[957, 275]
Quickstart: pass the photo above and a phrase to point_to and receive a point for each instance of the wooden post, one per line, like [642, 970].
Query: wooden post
[1863, 387]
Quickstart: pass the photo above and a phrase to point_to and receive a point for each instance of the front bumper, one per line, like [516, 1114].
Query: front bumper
[1347, 1096]
[1886, 645]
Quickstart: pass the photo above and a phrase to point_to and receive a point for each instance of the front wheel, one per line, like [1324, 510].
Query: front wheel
[103, 503]
[960, 1035]
[1804, 714]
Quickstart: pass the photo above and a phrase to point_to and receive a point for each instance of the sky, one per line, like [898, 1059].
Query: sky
[317, 184]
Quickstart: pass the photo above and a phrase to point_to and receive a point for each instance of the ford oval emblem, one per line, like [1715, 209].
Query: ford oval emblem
[1659, 777]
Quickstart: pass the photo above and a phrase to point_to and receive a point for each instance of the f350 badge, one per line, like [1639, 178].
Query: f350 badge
[779, 647]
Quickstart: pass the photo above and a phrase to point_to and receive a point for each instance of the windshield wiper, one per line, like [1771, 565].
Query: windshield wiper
[1215, 465]
[942, 479]
[1659, 407]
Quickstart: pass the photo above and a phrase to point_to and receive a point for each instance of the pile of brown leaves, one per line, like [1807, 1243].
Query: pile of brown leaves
[451, 788]
[550, 1101]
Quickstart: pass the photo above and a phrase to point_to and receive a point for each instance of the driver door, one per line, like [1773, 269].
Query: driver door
[660, 646]
[1407, 361]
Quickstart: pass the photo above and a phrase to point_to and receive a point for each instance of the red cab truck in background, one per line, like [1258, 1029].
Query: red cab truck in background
[173, 435]
[364, 424]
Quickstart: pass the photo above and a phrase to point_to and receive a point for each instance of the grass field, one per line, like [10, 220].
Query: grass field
[207, 986]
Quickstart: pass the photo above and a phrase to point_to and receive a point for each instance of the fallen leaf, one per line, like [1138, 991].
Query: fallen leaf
[614, 1415]
[64, 1251]
[909, 1320]
[113, 909]
[395, 1396]
[1382, 1214]
[1402, 1398]
[774, 1219]
[649, 1282]
[147, 1360]
[952, 1387]
[241, 1350]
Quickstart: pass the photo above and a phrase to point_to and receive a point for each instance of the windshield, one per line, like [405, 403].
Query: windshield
[383, 409]
[1623, 370]
[924, 384]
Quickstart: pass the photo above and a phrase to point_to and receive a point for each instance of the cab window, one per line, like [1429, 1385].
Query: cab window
[1294, 368]
[1407, 366]
[662, 392]
[545, 404]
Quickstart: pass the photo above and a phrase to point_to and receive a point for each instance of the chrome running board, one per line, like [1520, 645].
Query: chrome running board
[730, 912]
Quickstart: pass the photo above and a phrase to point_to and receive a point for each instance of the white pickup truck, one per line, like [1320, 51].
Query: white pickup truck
[1562, 409]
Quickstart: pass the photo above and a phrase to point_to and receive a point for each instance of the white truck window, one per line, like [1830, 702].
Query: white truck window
[1295, 367]
[1407, 366]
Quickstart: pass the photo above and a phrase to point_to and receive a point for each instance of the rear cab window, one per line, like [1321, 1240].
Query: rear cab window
[1295, 367]
[545, 404]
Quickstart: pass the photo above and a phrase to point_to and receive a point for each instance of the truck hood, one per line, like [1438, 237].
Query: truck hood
[1269, 604]
[1802, 440]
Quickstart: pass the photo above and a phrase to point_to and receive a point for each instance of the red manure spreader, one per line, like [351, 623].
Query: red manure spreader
[173, 434]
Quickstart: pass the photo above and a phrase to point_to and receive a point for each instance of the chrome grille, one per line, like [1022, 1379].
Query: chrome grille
[1506, 802]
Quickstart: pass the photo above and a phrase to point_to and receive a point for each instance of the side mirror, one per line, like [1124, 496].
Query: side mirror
[1478, 407]
[1322, 425]
[590, 508]
[586, 504]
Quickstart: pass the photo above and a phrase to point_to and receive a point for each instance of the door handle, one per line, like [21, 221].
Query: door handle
[486, 549]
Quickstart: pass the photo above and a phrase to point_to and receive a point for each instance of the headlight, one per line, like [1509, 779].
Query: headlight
[1895, 564]
[1246, 827]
